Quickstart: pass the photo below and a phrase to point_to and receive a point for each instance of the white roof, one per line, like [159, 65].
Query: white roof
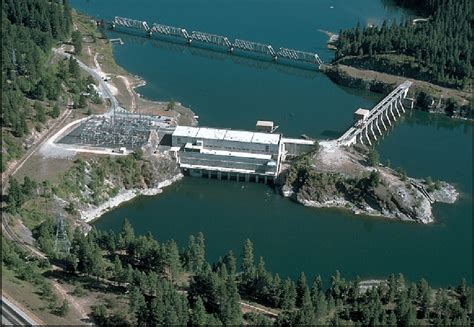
[362, 111]
[227, 134]
[185, 131]
[266, 138]
[211, 133]
[241, 136]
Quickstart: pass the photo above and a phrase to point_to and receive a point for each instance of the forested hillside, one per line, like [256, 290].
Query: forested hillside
[33, 86]
[165, 285]
[438, 49]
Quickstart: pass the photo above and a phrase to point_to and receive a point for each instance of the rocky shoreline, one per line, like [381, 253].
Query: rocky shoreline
[338, 177]
[380, 82]
[93, 212]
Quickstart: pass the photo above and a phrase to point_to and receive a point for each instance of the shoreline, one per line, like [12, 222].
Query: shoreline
[450, 197]
[133, 82]
[381, 82]
[95, 212]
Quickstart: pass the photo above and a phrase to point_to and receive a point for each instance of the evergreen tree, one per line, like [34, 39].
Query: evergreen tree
[73, 67]
[231, 313]
[77, 42]
[230, 262]
[118, 269]
[55, 112]
[424, 297]
[392, 319]
[127, 234]
[288, 295]
[248, 268]
[40, 113]
[301, 287]
[64, 309]
[198, 315]
[15, 195]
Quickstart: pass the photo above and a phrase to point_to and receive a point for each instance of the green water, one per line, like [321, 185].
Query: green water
[227, 92]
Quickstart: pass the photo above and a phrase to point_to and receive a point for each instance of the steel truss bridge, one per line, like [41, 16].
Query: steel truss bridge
[217, 40]
[382, 115]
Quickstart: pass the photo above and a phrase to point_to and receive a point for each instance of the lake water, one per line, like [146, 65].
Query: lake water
[226, 91]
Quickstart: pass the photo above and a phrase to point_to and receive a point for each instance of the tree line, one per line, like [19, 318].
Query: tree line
[33, 85]
[440, 47]
[178, 286]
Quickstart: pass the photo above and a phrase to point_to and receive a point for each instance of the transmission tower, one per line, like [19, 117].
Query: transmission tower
[62, 244]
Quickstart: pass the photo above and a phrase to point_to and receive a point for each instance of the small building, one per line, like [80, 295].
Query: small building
[227, 154]
[361, 114]
[264, 126]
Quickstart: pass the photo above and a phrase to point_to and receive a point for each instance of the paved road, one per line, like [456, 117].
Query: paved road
[14, 316]
[104, 88]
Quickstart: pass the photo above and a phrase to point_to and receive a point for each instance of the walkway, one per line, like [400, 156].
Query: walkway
[378, 118]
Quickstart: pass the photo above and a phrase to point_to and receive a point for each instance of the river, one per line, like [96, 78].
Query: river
[229, 92]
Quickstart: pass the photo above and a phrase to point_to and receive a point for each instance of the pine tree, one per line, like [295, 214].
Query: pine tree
[301, 287]
[288, 295]
[73, 67]
[64, 309]
[231, 313]
[77, 42]
[127, 234]
[15, 196]
[118, 269]
[392, 319]
[248, 267]
[198, 315]
[40, 113]
[231, 263]
[424, 297]
[55, 112]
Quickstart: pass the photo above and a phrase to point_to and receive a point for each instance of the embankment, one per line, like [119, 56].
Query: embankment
[428, 96]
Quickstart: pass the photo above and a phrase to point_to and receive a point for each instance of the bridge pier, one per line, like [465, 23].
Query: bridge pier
[367, 136]
[383, 123]
[391, 111]
[401, 105]
[396, 108]
[388, 118]
[372, 130]
[361, 139]
[377, 125]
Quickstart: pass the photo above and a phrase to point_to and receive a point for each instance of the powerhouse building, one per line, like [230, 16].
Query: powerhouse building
[228, 154]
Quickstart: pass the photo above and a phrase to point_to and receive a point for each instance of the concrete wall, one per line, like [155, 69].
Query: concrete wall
[213, 162]
[296, 149]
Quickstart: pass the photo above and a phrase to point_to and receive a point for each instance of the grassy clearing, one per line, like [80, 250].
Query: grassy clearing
[30, 297]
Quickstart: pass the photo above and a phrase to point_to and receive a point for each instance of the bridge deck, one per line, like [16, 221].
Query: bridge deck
[223, 41]
[375, 112]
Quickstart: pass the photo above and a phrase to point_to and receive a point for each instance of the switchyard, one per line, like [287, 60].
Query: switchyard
[131, 131]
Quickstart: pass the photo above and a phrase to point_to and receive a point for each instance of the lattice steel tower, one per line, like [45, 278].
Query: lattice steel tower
[62, 244]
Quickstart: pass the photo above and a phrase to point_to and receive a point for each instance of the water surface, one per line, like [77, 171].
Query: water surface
[227, 92]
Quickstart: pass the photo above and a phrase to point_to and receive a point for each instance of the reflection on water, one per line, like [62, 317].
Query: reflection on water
[284, 66]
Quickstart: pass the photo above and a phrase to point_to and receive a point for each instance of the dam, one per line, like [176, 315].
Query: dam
[236, 155]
